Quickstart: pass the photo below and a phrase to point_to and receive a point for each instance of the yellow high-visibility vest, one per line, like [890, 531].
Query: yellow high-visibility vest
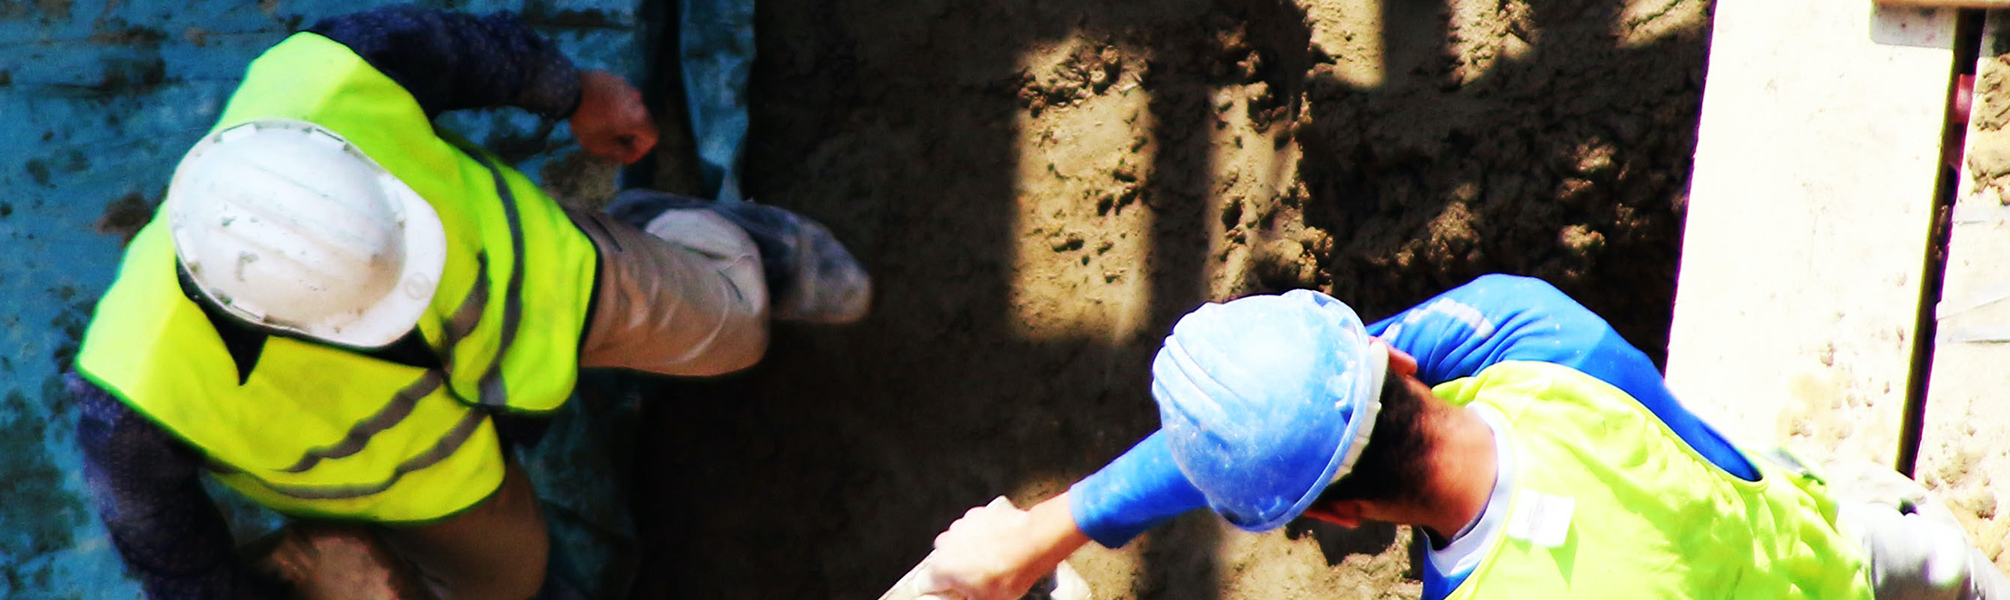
[320, 431]
[1609, 503]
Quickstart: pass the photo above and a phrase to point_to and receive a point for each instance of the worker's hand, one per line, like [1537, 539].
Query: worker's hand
[611, 121]
[997, 552]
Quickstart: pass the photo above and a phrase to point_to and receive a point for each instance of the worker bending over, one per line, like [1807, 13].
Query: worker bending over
[1538, 453]
[338, 301]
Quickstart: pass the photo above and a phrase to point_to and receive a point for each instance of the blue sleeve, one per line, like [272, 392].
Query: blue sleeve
[1501, 318]
[451, 61]
[1437, 586]
[147, 488]
[1133, 493]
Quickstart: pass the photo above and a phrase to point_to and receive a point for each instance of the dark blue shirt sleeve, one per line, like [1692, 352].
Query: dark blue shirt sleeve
[452, 61]
[1133, 493]
[1502, 318]
[147, 488]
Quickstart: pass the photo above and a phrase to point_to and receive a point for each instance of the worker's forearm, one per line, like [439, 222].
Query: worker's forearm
[999, 551]
[1050, 536]
[1055, 528]
[451, 61]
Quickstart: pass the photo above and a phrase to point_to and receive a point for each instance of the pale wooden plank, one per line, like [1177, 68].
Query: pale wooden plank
[1952, 3]
[1807, 223]
[1964, 450]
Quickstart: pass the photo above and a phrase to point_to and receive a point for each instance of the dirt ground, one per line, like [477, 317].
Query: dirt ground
[1041, 188]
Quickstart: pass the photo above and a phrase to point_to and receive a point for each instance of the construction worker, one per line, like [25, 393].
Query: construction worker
[338, 302]
[1538, 453]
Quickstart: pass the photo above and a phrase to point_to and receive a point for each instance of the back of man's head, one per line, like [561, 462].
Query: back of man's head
[1391, 466]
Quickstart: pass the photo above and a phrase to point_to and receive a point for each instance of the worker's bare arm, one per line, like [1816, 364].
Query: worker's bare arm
[998, 551]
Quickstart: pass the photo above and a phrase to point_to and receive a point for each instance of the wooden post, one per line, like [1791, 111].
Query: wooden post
[1964, 451]
[1808, 218]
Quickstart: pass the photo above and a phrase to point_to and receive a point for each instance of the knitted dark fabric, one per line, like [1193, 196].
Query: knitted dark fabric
[147, 488]
[451, 61]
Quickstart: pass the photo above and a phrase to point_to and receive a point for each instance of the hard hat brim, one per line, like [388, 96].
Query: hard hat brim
[400, 310]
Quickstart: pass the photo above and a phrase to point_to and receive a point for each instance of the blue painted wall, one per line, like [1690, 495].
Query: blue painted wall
[98, 99]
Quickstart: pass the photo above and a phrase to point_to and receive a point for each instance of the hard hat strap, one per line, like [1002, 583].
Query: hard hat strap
[1367, 408]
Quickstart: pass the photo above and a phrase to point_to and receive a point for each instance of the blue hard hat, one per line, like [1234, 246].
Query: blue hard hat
[1264, 401]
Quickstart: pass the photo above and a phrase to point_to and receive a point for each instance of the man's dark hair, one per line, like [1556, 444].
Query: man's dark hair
[1391, 467]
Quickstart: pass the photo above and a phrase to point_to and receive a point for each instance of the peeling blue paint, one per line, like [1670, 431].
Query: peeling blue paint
[101, 98]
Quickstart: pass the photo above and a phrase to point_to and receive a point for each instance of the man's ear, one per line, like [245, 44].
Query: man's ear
[1400, 362]
[1345, 513]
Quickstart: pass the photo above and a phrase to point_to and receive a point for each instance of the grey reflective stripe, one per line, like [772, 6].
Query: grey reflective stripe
[493, 392]
[448, 443]
[359, 435]
[468, 315]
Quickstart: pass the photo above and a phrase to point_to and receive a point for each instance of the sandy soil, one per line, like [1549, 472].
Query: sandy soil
[1042, 187]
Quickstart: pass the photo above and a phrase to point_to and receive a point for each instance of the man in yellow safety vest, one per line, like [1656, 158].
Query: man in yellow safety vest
[1539, 454]
[337, 300]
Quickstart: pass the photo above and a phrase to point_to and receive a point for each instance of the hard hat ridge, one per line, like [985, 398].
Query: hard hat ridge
[1266, 400]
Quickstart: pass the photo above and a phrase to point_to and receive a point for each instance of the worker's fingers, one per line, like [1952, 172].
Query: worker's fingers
[612, 120]
[977, 558]
[931, 583]
[640, 142]
[637, 130]
[624, 148]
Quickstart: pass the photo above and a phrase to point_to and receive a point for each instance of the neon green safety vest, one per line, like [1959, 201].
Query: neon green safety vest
[1609, 503]
[318, 431]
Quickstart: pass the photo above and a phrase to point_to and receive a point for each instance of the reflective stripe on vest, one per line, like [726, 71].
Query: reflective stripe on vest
[493, 392]
[445, 447]
[1610, 503]
[319, 431]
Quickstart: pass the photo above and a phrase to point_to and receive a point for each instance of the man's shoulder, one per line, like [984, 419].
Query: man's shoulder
[1509, 384]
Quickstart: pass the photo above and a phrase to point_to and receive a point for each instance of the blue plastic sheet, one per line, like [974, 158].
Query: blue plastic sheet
[716, 49]
[99, 99]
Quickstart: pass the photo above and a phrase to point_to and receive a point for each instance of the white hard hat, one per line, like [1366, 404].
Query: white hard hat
[284, 224]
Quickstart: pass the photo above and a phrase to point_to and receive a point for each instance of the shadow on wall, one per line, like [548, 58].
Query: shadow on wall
[1562, 152]
[1033, 237]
